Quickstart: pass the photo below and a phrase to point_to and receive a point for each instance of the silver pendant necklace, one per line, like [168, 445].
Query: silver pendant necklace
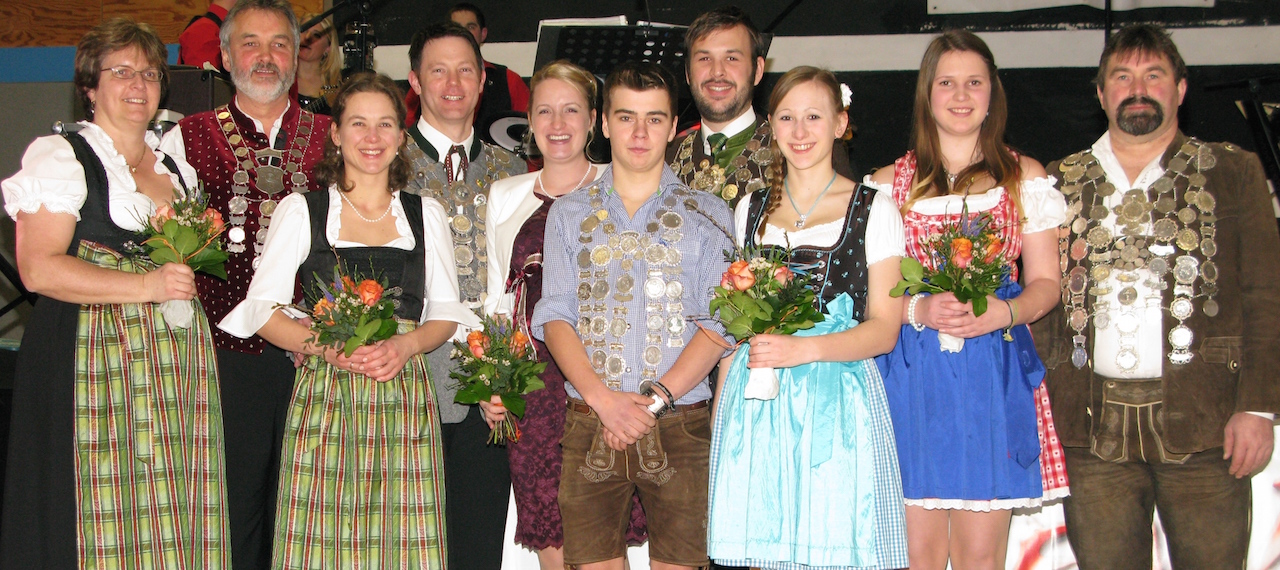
[804, 217]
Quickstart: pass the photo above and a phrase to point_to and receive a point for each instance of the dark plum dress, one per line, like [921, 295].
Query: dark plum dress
[536, 458]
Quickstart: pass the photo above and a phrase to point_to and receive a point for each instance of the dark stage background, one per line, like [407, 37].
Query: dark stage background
[1053, 111]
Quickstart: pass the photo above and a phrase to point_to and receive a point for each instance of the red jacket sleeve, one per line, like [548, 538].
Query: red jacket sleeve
[199, 43]
[519, 92]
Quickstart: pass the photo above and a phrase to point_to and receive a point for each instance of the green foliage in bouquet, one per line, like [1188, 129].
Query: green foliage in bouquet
[499, 359]
[350, 311]
[967, 261]
[761, 294]
[186, 231]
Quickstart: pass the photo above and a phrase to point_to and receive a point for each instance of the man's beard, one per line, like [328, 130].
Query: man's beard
[1139, 124]
[246, 86]
[733, 108]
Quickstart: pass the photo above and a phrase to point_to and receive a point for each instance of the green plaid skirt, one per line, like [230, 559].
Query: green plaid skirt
[148, 431]
[361, 474]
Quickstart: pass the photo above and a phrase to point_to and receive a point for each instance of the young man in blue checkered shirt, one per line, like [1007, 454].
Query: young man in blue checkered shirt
[629, 259]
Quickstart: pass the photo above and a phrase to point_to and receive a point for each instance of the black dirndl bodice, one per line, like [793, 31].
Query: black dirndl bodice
[395, 267]
[95, 223]
[841, 268]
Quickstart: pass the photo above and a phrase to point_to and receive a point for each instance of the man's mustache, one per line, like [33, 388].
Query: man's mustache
[265, 66]
[1140, 100]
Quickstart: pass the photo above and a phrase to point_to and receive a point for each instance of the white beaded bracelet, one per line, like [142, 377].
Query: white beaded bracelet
[911, 314]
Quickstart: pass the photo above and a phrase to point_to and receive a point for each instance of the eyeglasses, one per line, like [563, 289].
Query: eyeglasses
[127, 73]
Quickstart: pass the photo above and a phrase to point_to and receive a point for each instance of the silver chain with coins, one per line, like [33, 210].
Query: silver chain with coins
[1167, 253]
[602, 330]
[270, 179]
[728, 182]
[466, 204]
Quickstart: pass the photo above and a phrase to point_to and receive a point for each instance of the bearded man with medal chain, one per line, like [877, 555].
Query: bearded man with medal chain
[728, 153]
[250, 154]
[1161, 363]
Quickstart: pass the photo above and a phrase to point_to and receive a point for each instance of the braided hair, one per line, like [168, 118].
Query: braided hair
[775, 174]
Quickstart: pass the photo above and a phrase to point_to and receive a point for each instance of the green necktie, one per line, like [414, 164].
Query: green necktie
[717, 142]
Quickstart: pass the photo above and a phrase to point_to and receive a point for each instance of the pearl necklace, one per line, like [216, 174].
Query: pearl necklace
[356, 211]
[590, 167]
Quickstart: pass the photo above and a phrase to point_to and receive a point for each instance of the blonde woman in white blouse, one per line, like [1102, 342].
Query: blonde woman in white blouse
[561, 119]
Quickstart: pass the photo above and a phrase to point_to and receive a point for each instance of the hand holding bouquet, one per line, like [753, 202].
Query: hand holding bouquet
[185, 231]
[966, 259]
[498, 360]
[350, 311]
[761, 294]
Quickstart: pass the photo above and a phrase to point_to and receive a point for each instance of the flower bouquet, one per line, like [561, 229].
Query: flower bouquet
[350, 311]
[966, 259]
[761, 294]
[185, 231]
[498, 359]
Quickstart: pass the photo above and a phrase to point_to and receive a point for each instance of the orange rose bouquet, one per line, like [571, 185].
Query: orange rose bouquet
[966, 259]
[498, 360]
[762, 294]
[185, 231]
[350, 311]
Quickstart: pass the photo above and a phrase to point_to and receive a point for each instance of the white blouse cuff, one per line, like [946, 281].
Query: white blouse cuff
[249, 316]
[50, 177]
[29, 197]
[453, 311]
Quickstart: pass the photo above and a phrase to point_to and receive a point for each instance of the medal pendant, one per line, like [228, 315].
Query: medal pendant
[270, 179]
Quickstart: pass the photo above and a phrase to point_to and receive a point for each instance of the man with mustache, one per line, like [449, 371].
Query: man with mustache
[455, 167]
[728, 154]
[1162, 357]
[250, 154]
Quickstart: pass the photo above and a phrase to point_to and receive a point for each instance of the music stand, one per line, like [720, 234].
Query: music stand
[599, 49]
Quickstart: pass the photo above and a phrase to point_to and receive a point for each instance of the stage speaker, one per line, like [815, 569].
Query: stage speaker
[192, 90]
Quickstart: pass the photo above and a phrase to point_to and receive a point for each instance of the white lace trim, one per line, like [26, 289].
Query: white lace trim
[988, 506]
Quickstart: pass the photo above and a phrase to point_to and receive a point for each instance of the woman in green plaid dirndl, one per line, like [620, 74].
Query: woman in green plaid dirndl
[116, 446]
[361, 482]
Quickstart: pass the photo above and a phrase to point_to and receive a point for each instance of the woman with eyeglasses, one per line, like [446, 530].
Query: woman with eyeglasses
[115, 451]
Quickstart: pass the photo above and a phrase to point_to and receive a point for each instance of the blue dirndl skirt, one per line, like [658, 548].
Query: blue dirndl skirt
[810, 478]
[965, 422]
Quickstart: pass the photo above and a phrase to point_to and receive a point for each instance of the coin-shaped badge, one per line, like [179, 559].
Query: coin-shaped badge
[599, 325]
[618, 327]
[462, 255]
[654, 288]
[600, 289]
[601, 255]
[238, 205]
[674, 290]
[652, 355]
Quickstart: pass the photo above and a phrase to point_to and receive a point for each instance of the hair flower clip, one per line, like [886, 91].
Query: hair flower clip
[846, 95]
